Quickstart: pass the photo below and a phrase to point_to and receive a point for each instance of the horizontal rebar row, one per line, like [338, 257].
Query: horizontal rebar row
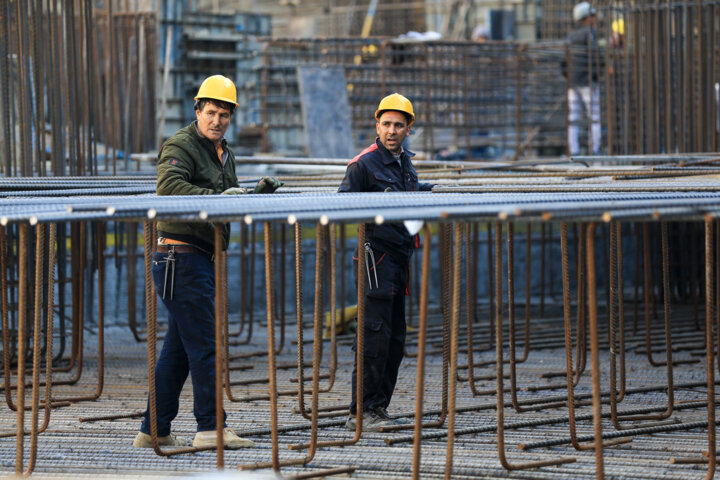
[454, 243]
[584, 205]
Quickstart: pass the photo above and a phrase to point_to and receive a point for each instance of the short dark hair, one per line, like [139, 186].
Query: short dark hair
[201, 102]
[407, 116]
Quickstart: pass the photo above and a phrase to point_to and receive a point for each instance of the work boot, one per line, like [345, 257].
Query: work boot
[371, 422]
[382, 413]
[143, 440]
[230, 439]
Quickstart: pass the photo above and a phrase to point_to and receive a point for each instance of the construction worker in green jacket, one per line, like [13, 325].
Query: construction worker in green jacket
[194, 161]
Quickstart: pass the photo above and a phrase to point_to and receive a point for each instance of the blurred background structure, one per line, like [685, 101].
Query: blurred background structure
[83, 100]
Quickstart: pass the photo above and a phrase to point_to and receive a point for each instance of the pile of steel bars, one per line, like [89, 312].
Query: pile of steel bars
[78, 86]
[597, 218]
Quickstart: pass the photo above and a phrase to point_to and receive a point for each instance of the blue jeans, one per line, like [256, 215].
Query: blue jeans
[189, 345]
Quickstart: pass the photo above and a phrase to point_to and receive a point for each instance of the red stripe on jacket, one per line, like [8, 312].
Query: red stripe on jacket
[369, 149]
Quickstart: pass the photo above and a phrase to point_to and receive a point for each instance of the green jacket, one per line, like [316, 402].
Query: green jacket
[188, 165]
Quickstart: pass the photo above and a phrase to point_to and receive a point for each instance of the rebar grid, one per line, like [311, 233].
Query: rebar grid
[574, 209]
[508, 92]
[63, 66]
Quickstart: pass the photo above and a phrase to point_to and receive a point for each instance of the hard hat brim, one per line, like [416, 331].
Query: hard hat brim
[222, 99]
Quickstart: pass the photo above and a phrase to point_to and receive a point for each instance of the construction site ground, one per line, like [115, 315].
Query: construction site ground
[73, 449]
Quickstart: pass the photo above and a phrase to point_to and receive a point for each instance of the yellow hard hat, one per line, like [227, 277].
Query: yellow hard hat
[218, 87]
[398, 103]
[618, 26]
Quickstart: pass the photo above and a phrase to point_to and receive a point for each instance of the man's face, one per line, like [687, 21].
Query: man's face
[213, 121]
[392, 128]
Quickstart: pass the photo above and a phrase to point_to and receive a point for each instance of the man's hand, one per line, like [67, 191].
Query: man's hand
[268, 185]
[236, 191]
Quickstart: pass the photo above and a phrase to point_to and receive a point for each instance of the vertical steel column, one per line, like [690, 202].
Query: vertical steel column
[594, 351]
[710, 278]
[5, 315]
[422, 329]
[22, 320]
[343, 318]
[333, 306]
[219, 320]
[542, 270]
[39, 253]
[519, 49]
[454, 327]
[50, 319]
[6, 165]
[299, 313]
[617, 322]
[131, 251]
[491, 303]
[360, 347]
[510, 238]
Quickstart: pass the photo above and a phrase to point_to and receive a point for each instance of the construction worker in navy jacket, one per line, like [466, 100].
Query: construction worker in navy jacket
[384, 166]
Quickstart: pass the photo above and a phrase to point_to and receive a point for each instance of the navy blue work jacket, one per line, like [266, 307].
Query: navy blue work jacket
[375, 169]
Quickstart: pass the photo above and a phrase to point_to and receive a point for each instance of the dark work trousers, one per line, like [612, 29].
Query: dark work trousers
[384, 330]
[189, 345]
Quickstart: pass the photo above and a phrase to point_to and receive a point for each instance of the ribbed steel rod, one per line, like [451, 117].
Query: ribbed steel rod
[616, 434]
[380, 208]
[534, 423]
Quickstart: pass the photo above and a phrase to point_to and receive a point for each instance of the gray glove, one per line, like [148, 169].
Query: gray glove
[268, 185]
[236, 191]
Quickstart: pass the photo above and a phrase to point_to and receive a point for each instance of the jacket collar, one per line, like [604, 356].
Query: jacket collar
[388, 157]
[204, 139]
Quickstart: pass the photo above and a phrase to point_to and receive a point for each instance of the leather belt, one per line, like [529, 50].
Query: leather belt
[185, 249]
